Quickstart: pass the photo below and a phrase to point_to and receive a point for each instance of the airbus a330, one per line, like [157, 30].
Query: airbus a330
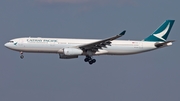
[72, 48]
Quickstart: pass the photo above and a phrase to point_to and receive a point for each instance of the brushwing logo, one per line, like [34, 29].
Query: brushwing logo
[161, 34]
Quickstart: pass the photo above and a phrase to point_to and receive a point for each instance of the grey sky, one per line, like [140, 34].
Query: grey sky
[152, 76]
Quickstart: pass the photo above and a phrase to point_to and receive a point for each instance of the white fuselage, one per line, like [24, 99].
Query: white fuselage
[72, 48]
[56, 45]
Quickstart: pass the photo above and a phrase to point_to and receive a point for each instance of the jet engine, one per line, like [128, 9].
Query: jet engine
[72, 51]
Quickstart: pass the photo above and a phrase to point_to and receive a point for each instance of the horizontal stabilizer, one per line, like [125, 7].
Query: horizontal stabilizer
[162, 44]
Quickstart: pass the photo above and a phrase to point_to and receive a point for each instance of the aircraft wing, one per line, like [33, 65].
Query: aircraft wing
[99, 44]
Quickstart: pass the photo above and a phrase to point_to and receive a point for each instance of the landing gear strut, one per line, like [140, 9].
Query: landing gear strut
[22, 56]
[90, 60]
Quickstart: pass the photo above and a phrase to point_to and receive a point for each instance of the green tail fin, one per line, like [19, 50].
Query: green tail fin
[162, 32]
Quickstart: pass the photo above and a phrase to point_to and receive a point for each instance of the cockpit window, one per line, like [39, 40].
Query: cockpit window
[11, 41]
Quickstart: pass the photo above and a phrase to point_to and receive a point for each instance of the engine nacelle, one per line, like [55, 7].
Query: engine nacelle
[62, 56]
[72, 51]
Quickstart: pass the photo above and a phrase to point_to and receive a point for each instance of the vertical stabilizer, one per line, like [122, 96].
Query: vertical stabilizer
[162, 32]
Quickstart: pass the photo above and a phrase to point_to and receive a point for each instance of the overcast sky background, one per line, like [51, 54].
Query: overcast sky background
[151, 76]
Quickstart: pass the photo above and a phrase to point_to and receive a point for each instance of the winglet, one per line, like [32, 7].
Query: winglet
[122, 33]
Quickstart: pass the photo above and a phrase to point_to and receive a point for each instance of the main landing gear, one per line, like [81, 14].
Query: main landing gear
[22, 56]
[90, 60]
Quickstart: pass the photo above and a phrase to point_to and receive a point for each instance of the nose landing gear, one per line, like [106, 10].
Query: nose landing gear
[90, 60]
[22, 56]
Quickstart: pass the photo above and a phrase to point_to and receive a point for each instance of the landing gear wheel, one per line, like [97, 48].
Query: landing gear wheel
[90, 62]
[93, 60]
[22, 56]
[86, 59]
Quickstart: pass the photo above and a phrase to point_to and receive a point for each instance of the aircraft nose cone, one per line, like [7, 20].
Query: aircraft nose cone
[6, 45]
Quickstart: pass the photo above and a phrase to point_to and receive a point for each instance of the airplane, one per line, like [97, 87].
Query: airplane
[73, 48]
